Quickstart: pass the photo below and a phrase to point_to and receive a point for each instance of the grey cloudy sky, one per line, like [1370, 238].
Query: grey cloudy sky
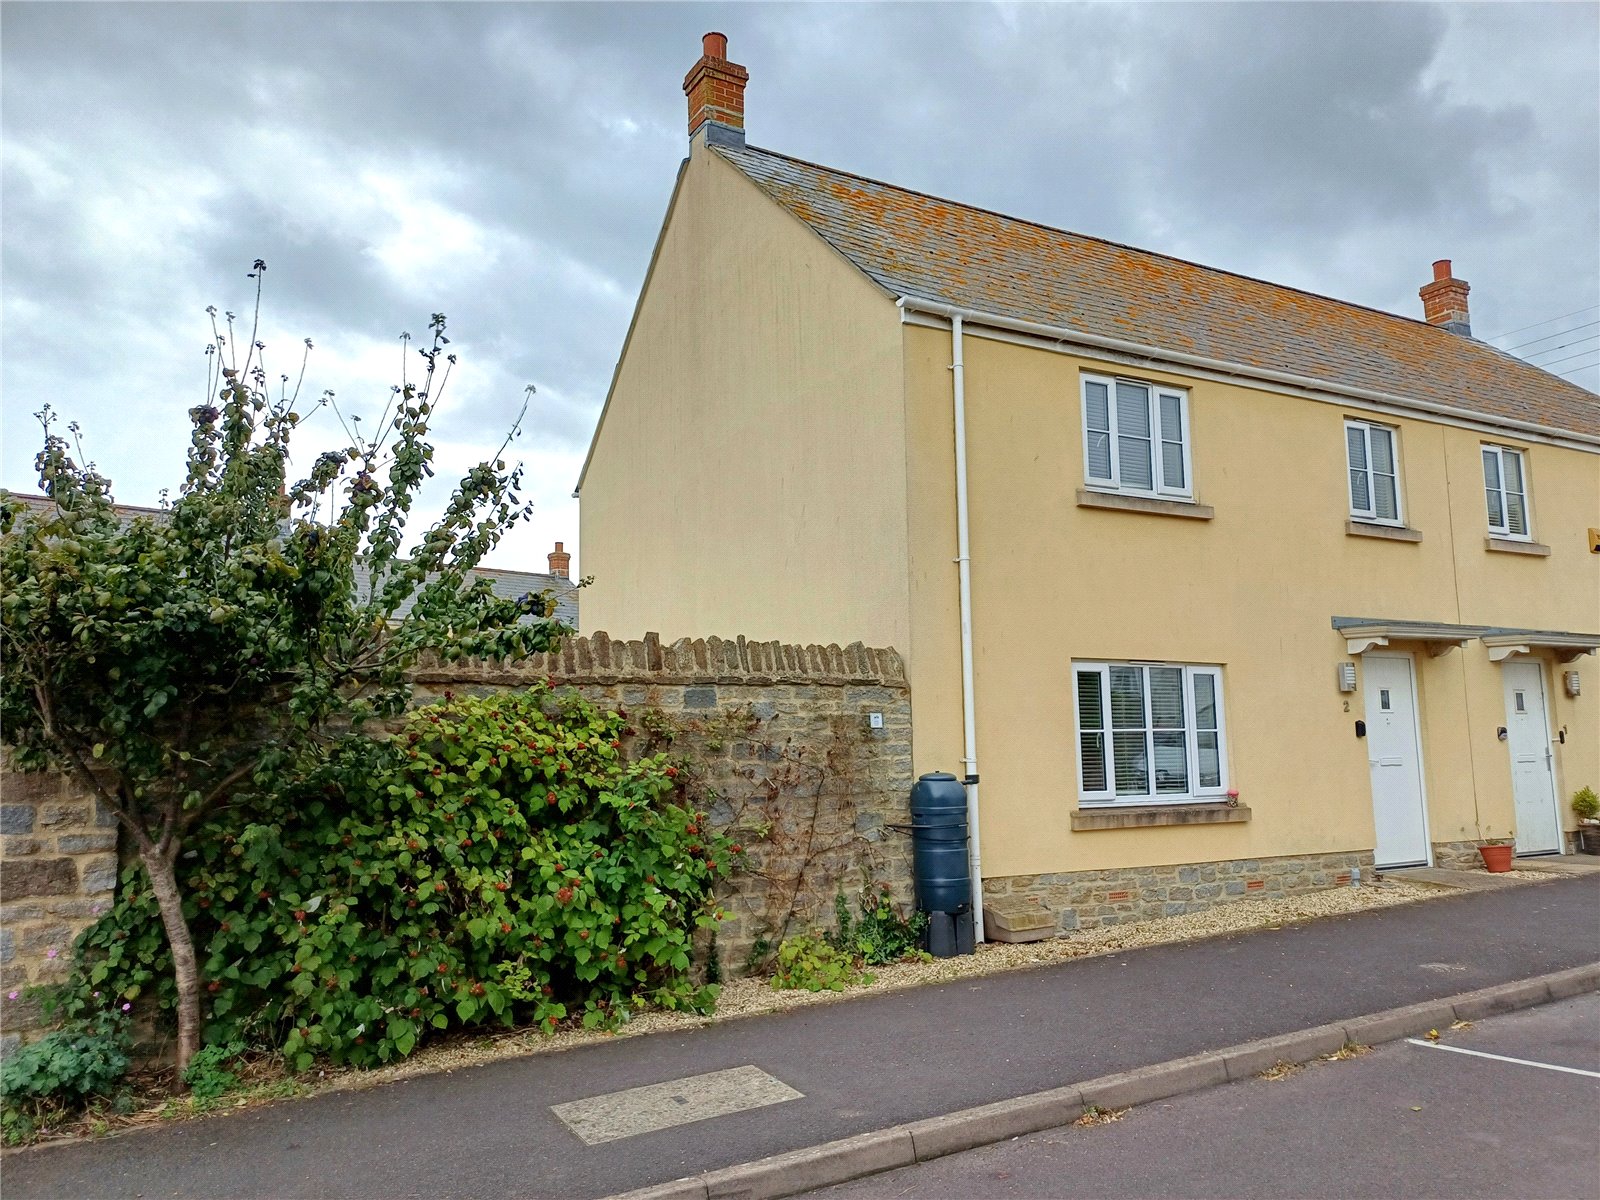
[509, 165]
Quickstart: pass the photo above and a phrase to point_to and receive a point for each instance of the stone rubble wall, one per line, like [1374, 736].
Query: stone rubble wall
[1092, 899]
[758, 718]
[754, 716]
[58, 870]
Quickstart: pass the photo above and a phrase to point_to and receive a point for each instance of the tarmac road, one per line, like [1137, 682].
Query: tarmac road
[1404, 1120]
[860, 1065]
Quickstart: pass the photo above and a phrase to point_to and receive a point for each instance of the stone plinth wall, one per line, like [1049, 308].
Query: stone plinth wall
[784, 751]
[1461, 856]
[58, 869]
[1091, 899]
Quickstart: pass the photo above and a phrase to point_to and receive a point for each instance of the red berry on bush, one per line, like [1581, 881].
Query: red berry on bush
[505, 927]
[583, 934]
[672, 772]
[443, 968]
[438, 887]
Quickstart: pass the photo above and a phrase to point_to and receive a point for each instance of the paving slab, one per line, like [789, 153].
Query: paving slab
[1461, 879]
[862, 1065]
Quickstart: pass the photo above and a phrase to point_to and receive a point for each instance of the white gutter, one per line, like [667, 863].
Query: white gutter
[1061, 333]
[969, 721]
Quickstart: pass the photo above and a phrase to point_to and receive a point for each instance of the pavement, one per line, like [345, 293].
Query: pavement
[1507, 1106]
[858, 1067]
[1477, 880]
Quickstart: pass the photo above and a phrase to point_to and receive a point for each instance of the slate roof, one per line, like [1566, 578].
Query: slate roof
[509, 584]
[913, 244]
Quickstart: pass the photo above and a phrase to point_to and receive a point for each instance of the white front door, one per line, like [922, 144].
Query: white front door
[1533, 783]
[1399, 812]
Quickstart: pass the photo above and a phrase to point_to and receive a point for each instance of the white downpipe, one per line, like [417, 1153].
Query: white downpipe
[969, 721]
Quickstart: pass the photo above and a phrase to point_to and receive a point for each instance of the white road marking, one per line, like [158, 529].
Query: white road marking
[655, 1106]
[1521, 1062]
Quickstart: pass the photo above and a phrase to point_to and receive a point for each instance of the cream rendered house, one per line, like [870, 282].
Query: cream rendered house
[1215, 585]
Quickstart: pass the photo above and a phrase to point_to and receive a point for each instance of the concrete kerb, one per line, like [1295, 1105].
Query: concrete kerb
[919, 1141]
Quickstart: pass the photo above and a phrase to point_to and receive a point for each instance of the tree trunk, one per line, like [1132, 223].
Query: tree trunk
[162, 870]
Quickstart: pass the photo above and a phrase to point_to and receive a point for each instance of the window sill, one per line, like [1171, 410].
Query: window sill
[1088, 498]
[1169, 814]
[1513, 546]
[1393, 533]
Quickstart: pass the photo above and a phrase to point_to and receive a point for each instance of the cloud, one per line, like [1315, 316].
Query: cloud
[510, 165]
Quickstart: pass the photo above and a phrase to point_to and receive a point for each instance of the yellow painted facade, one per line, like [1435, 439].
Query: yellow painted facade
[776, 460]
[1253, 589]
[748, 475]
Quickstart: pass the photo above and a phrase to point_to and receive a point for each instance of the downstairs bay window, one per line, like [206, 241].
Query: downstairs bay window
[1149, 733]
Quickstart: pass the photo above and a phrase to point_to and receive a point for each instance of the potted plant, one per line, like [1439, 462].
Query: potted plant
[1496, 854]
[1586, 805]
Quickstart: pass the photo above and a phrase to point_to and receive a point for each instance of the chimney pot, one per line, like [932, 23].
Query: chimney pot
[1444, 301]
[715, 90]
[560, 562]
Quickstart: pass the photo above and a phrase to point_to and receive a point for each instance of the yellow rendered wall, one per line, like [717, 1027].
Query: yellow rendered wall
[1254, 589]
[749, 472]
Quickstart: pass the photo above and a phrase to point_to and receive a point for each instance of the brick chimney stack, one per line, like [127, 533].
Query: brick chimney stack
[560, 562]
[1444, 301]
[715, 88]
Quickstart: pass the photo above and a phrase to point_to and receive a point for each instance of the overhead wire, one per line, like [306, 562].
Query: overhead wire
[1548, 336]
[1579, 354]
[1536, 324]
[1562, 346]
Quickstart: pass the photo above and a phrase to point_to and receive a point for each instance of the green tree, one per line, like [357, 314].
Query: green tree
[207, 655]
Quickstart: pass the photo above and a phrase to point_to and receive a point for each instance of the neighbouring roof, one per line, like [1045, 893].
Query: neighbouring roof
[912, 244]
[508, 584]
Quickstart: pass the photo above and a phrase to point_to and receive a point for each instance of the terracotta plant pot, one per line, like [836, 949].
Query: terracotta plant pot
[1496, 858]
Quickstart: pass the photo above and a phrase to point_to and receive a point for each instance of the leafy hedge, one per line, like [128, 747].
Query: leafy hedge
[499, 859]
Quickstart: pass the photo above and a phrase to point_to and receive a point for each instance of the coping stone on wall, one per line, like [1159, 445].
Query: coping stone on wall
[600, 658]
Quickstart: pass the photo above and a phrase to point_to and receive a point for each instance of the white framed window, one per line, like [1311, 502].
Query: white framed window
[1136, 437]
[1505, 489]
[1149, 733]
[1372, 453]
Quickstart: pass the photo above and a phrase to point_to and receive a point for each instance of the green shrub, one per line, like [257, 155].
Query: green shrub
[1586, 804]
[61, 1073]
[499, 859]
[879, 934]
[207, 1074]
[814, 964]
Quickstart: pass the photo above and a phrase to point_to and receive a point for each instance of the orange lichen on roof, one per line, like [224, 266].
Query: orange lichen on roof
[913, 244]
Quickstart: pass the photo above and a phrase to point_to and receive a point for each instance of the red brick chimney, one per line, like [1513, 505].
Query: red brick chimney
[1444, 301]
[715, 88]
[560, 561]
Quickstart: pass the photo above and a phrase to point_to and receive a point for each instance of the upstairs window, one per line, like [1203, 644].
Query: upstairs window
[1505, 490]
[1149, 733]
[1374, 472]
[1136, 437]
